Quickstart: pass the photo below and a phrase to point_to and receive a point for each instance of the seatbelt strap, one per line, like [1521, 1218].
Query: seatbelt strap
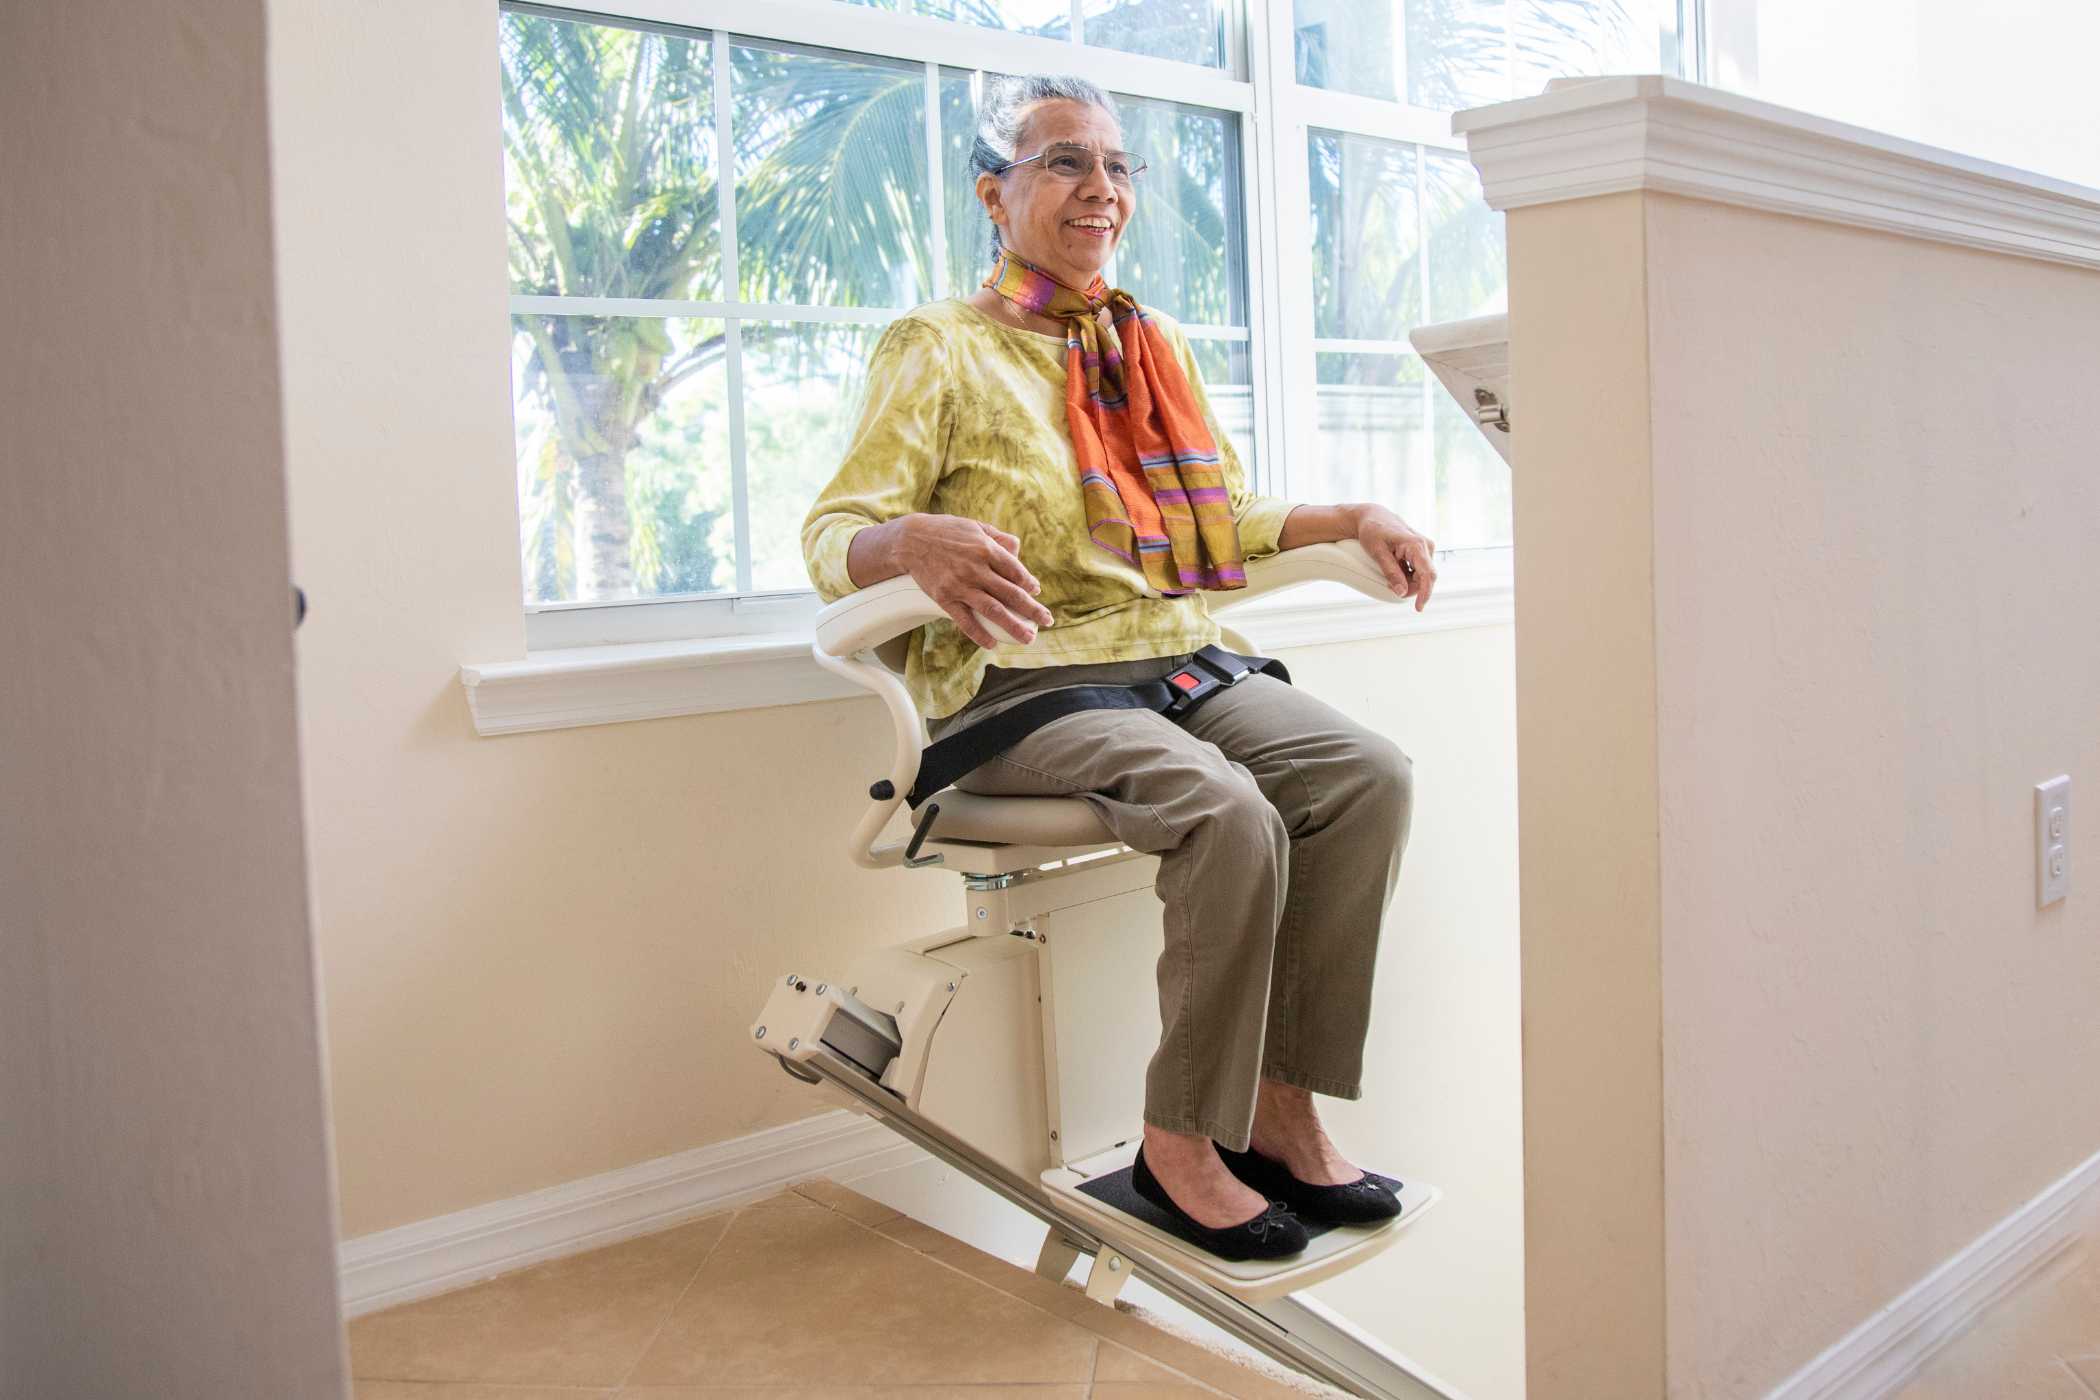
[1177, 697]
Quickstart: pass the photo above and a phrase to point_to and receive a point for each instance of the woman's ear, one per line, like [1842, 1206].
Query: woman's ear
[992, 198]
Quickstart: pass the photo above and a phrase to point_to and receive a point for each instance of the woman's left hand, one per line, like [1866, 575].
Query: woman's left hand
[1404, 554]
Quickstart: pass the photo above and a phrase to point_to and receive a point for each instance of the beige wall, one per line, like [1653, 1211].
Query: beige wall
[165, 1209]
[1869, 579]
[542, 951]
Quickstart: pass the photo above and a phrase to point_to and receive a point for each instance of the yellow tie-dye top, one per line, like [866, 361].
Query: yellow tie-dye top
[966, 416]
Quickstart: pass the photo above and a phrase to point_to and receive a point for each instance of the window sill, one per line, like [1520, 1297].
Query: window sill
[567, 687]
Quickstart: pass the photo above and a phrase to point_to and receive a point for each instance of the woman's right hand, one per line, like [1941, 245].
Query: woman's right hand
[965, 566]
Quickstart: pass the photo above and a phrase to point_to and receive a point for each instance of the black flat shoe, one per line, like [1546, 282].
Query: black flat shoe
[1274, 1234]
[1365, 1201]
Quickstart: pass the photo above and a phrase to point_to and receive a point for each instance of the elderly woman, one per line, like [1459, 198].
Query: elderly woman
[1043, 453]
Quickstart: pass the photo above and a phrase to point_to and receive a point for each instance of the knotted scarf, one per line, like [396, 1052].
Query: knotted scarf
[1148, 468]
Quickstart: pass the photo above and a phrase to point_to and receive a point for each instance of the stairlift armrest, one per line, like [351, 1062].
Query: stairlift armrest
[847, 633]
[1343, 561]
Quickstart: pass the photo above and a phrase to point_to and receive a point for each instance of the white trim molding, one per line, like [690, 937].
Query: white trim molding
[572, 686]
[1885, 1353]
[1605, 135]
[567, 687]
[451, 1251]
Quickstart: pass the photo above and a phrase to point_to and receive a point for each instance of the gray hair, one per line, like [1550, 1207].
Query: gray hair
[1004, 112]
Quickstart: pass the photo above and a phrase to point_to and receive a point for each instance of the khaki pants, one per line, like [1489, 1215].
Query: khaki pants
[1279, 825]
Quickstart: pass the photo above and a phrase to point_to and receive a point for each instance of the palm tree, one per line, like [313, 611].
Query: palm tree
[609, 138]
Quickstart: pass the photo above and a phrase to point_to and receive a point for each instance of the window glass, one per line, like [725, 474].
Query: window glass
[803, 384]
[1384, 215]
[1472, 480]
[623, 456]
[1182, 251]
[1346, 45]
[1188, 31]
[609, 161]
[1372, 444]
[1367, 236]
[1458, 53]
[1455, 54]
[1468, 259]
[1051, 19]
[830, 180]
[969, 232]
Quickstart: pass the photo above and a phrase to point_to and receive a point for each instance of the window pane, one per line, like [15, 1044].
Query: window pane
[1372, 446]
[1367, 234]
[802, 390]
[609, 133]
[1468, 261]
[1574, 38]
[1468, 53]
[1052, 19]
[1228, 382]
[1346, 45]
[622, 437]
[1181, 251]
[1472, 481]
[1188, 31]
[1457, 54]
[969, 231]
[830, 180]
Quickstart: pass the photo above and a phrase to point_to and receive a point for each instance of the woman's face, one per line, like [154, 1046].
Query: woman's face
[1068, 228]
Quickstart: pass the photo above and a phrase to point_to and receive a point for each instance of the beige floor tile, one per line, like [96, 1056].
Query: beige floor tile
[1122, 1366]
[787, 1200]
[914, 1235]
[856, 1392]
[851, 1204]
[452, 1390]
[1192, 1361]
[811, 1299]
[580, 1321]
[2087, 1369]
[1142, 1390]
[1025, 1284]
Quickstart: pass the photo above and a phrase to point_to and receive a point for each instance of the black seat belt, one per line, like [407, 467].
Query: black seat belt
[1177, 697]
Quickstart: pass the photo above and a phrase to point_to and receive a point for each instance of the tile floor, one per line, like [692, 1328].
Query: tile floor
[2040, 1342]
[815, 1294]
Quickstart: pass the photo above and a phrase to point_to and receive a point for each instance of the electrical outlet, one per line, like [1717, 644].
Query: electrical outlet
[2052, 839]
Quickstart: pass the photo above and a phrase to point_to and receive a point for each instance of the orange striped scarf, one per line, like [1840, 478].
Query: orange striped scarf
[1148, 468]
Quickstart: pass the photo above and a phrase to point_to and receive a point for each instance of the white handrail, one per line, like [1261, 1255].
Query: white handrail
[849, 630]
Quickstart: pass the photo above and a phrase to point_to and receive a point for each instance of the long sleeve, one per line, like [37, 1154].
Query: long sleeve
[894, 457]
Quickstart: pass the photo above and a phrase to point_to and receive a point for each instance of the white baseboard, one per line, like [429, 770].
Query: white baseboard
[1886, 1352]
[432, 1256]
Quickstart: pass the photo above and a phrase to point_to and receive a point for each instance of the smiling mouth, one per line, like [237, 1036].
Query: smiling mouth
[1093, 225]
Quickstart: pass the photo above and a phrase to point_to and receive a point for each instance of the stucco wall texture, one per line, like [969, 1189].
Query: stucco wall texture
[166, 1218]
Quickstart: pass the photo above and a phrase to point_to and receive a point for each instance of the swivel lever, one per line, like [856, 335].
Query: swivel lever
[912, 859]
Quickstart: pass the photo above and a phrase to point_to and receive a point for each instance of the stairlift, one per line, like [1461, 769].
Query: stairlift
[1013, 1046]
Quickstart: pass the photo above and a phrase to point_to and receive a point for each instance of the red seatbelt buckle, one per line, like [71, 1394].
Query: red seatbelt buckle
[1190, 686]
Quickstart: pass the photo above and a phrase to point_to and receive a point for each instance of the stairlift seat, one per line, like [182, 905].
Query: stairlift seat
[1013, 821]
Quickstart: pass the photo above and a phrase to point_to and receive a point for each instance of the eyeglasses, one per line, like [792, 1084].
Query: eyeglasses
[1075, 163]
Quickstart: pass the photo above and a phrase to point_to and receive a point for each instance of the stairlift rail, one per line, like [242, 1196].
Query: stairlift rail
[1294, 1330]
[849, 631]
